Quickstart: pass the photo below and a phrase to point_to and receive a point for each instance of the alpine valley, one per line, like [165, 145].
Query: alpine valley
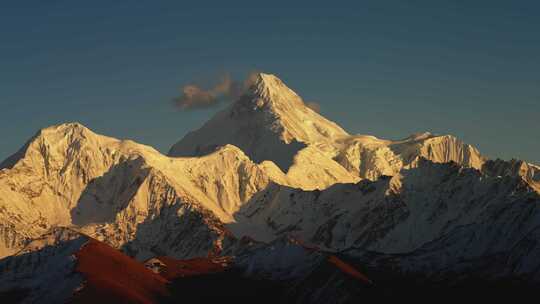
[267, 202]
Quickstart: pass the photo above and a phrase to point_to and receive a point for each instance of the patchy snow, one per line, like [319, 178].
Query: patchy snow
[46, 260]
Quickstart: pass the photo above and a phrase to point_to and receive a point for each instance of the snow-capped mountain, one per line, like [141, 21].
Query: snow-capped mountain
[264, 170]
[271, 122]
[122, 192]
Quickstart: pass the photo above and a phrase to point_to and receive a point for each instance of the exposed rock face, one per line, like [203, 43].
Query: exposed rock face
[528, 172]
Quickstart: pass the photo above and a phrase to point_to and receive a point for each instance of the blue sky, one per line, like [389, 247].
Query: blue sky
[386, 68]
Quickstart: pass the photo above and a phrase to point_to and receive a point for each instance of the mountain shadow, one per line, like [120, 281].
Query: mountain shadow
[179, 230]
[106, 195]
[262, 145]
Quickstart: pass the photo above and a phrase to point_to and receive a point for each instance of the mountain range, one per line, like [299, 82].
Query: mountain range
[267, 200]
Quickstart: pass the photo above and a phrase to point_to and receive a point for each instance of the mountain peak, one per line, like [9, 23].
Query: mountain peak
[266, 85]
[269, 122]
[267, 91]
[75, 129]
[267, 80]
[56, 139]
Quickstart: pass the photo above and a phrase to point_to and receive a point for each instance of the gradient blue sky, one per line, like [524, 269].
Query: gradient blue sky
[386, 68]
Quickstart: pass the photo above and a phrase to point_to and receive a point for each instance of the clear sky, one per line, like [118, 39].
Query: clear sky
[386, 68]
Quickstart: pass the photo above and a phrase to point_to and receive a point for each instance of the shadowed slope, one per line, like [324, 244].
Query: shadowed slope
[112, 277]
[66, 266]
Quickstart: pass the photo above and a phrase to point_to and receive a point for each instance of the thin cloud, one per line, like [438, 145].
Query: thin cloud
[194, 96]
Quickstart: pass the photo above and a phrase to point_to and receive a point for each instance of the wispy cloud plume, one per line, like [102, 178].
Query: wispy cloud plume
[194, 96]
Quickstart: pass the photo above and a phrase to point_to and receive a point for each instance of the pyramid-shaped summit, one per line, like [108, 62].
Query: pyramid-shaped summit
[268, 122]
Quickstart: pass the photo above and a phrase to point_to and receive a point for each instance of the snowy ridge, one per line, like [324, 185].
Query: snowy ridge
[370, 157]
[401, 213]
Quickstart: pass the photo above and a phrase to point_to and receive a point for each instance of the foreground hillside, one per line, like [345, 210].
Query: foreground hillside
[85, 270]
